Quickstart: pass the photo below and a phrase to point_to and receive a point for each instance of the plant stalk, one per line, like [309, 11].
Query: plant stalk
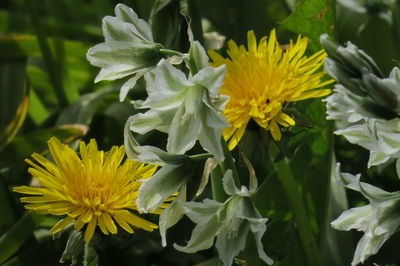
[299, 211]
[52, 67]
[218, 173]
[171, 52]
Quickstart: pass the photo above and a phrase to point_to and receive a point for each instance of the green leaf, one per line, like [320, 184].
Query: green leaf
[13, 98]
[37, 111]
[168, 25]
[8, 134]
[23, 146]
[8, 216]
[27, 45]
[13, 239]
[52, 66]
[83, 110]
[311, 18]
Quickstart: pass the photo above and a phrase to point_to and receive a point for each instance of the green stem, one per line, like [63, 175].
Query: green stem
[171, 52]
[52, 68]
[300, 215]
[229, 162]
[218, 173]
[217, 187]
[200, 157]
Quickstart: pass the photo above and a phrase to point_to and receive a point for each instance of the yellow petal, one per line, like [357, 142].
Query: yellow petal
[136, 220]
[122, 223]
[107, 220]
[237, 137]
[90, 229]
[60, 225]
[251, 41]
[275, 131]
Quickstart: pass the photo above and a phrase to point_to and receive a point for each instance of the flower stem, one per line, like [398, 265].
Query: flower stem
[217, 174]
[229, 162]
[171, 52]
[217, 187]
[200, 157]
[300, 215]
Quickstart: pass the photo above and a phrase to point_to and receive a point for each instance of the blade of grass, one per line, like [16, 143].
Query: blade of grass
[52, 67]
[13, 98]
[13, 239]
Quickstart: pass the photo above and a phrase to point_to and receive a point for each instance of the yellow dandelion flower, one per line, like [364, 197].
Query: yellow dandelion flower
[263, 78]
[96, 189]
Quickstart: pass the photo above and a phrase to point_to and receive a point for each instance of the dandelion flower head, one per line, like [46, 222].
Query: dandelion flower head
[262, 78]
[96, 189]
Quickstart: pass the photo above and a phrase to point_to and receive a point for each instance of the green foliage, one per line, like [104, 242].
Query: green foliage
[13, 239]
[311, 18]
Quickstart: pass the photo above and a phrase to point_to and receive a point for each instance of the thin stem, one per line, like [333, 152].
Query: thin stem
[300, 215]
[218, 173]
[52, 68]
[229, 162]
[171, 52]
[200, 157]
[217, 187]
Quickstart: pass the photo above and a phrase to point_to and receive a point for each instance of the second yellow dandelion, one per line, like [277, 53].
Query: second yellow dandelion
[261, 79]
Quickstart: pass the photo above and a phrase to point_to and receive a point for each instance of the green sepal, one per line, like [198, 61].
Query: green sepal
[74, 247]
